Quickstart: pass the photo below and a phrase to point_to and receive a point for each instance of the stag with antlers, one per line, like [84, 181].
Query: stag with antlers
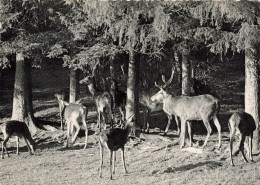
[103, 101]
[187, 108]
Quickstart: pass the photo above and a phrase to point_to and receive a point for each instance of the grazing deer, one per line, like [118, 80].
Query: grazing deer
[148, 106]
[114, 139]
[103, 101]
[20, 130]
[75, 115]
[188, 108]
[244, 125]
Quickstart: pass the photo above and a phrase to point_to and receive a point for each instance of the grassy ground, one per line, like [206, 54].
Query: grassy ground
[155, 159]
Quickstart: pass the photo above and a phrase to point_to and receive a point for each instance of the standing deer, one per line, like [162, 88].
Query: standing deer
[20, 130]
[187, 108]
[114, 139]
[244, 125]
[103, 101]
[74, 115]
[60, 99]
[119, 98]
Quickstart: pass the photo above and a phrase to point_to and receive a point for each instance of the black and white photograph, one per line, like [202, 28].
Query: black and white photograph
[129, 92]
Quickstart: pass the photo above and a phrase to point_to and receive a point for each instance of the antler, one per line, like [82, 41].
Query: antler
[170, 80]
[164, 81]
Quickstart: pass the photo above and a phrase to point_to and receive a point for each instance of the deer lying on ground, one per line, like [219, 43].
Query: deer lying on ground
[188, 108]
[103, 101]
[74, 115]
[114, 139]
[244, 125]
[20, 130]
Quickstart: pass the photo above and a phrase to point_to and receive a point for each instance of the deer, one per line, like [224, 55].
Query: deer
[103, 101]
[113, 139]
[242, 124]
[74, 115]
[148, 106]
[60, 98]
[188, 108]
[119, 98]
[19, 130]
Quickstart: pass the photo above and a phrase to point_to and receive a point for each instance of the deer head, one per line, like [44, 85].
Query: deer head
[161, 95]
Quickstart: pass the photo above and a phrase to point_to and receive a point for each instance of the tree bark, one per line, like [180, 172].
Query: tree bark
[112, 83]
[132, 107]
[186, 74]
[22, 99]
[251, 90]
[74, 87]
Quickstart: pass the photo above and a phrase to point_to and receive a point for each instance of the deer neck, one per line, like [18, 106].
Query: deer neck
[166, 96]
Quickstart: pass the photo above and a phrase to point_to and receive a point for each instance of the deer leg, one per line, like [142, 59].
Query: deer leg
[190, 133]
[232, 134]
[4, 147]
[114, 159]
[209, 130]
[217, 124]
[148, 121]
[61, 117]
[183, 132]
[28, 146]
[178, 125]
[241, 146]
[68, 133]
[86, 138]
[17, 145]
[146, 124]
[169, 123]
[99, 121]
[250, 146]
[101, 149]
[110, 162]
[123, 159]
[76, 133]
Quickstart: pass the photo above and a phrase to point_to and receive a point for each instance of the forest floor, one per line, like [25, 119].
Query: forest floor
[155, 159]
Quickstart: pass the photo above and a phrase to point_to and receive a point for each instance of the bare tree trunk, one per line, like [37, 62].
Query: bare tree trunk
[74, 87]
[251, 91]
[132, 107]
[186, 74]
[112, 82]
[22, 100]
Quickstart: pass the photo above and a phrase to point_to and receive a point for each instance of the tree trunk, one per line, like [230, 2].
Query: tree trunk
[186, 73]
[74, 87]
[22, 100]
[132, 107]
[113, 86]
[251, 91]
